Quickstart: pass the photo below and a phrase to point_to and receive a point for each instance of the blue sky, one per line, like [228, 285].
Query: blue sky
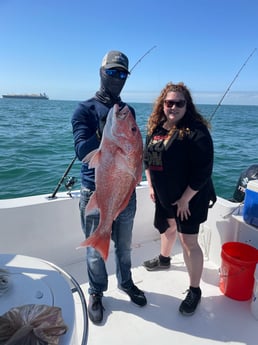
[56, 46]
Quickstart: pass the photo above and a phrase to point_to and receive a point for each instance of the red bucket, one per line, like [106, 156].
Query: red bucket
[237, 270]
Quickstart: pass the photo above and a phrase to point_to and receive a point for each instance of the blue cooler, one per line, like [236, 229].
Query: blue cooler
[250, 211]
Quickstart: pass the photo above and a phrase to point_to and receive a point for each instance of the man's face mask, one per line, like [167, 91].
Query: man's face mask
[112, 81]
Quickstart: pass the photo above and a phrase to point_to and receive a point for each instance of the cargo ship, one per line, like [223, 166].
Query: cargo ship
[26, 96]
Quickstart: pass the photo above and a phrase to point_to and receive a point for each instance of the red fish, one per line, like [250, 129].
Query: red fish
[118, 169]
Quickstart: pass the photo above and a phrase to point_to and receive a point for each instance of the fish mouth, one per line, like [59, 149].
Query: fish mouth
[122, 113]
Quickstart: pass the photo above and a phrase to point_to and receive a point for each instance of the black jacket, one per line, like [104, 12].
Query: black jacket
[182, 161]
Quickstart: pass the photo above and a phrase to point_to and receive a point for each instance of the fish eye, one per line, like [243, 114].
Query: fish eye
[125, 112]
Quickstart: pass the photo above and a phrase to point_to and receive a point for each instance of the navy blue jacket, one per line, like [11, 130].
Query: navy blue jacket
[89, 117]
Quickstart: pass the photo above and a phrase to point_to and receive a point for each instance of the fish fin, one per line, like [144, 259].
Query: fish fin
[89, 156]
[139, 175]
[124, 204]
[92, 205]
[94, 161]
[98, 241]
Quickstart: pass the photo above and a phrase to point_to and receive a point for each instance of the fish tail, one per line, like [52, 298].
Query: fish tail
[99, 242]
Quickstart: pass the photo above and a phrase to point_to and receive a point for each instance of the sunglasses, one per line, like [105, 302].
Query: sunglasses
[115, 73]
[169, 103]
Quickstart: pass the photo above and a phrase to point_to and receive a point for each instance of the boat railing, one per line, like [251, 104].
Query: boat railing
[76, 289]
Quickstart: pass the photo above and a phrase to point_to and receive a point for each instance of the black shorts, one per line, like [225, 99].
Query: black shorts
[162, 214]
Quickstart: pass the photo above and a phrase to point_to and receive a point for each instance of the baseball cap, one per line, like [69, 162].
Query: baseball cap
[115, 59]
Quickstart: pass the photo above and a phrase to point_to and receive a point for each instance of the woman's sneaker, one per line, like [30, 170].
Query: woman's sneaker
[190, 303]
[156, 264]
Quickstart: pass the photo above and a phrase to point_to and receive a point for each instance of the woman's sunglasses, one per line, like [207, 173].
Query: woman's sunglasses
[169, 103]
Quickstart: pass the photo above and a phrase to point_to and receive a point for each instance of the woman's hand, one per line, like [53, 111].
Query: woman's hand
[152, 195]
[182, 204]
[148, 177]
[183, 211]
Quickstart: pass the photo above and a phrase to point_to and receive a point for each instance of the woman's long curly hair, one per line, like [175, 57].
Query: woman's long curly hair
[158, 117]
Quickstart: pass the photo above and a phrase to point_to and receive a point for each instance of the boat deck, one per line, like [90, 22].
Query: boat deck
[218, 319]
[51, 230]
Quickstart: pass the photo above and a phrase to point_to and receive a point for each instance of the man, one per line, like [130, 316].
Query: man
[88, 122]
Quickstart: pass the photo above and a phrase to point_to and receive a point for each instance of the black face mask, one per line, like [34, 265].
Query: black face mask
[110, 88]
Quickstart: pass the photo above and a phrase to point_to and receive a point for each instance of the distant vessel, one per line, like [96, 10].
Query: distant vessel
[27, 96]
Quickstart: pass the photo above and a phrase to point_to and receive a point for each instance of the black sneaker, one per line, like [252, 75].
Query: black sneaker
[155, 264]
[95, 308]
[137, 296]
[190, 303]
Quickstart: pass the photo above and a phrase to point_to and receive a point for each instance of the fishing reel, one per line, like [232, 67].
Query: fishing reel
[69, 183]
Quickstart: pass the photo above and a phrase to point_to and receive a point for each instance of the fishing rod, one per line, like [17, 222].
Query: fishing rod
[231, 84]
[62, 179]
[138, 61]
[74, 159]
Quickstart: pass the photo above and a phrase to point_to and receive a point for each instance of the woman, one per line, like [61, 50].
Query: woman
[178, 164]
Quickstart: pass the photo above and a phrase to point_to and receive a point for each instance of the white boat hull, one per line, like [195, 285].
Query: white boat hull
[50, 230]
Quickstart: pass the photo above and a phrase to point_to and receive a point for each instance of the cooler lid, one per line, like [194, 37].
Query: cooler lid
[253, 185]
[24, 289]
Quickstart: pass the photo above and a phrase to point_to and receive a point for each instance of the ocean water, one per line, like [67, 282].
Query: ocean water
[36, 144]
